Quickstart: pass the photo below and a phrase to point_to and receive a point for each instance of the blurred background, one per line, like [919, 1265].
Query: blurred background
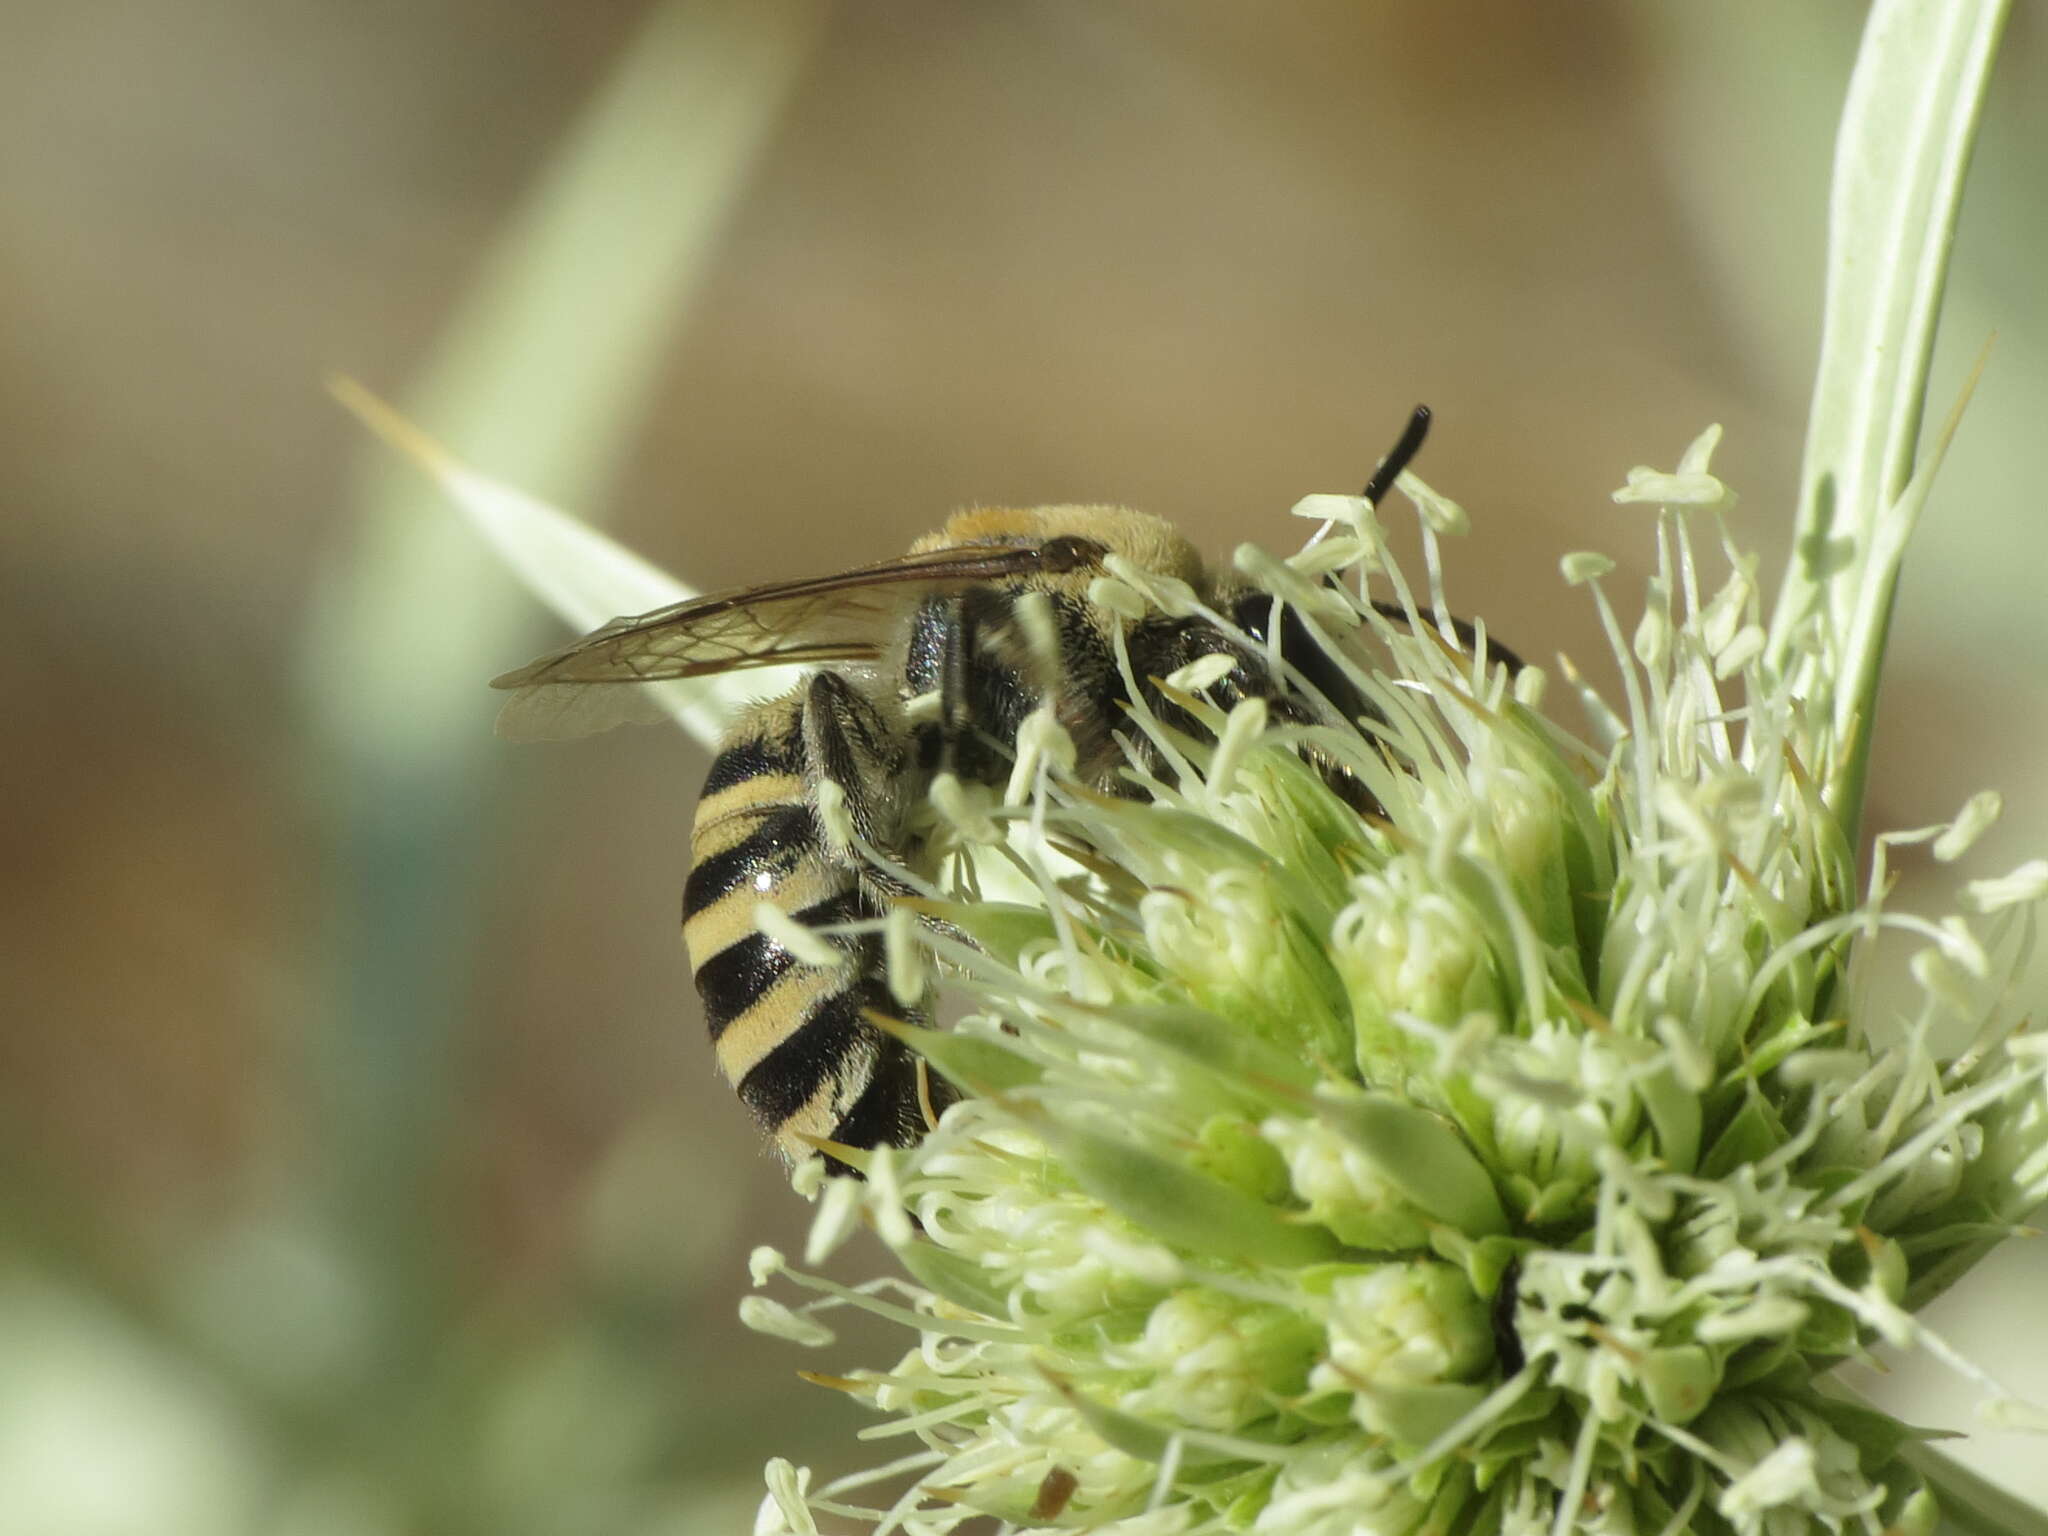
[362, 1168]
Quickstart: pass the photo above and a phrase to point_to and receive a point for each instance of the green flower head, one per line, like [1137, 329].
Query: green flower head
[1517, 1153]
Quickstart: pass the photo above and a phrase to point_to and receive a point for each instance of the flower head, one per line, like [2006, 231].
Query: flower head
[1526, 1147]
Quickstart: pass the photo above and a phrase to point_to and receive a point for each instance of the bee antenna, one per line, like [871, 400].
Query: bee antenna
[1399, 458]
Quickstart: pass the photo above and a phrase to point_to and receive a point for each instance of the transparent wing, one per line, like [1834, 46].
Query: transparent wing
[557, 714]
[588, 685]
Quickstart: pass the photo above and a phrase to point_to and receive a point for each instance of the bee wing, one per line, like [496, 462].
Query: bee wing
[587, 685]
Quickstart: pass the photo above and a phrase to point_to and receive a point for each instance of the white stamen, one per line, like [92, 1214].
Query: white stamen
[1977, 814]
[1583, 566]
[1202, 672]
[807, 947]
[764, 1315]
[2025, 885]
[903, 958]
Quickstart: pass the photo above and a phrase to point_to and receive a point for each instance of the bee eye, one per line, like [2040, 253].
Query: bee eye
[1254, 614]
[1069, 552]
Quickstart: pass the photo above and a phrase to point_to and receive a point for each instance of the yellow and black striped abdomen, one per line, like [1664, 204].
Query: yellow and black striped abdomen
[789, 1036]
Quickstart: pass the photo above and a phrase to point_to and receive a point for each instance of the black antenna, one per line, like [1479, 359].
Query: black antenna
[1400, 457]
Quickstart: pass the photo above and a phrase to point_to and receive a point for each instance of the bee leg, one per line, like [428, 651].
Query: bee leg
[850, 746]
[966, 665]
[848, 743]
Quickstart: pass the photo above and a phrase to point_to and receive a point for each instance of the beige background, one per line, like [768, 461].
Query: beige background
[363, 1168]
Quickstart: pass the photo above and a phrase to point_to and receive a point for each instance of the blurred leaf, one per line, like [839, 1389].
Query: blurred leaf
[1907, 131]
[585, 577]
[104, 1431]
[542, 374]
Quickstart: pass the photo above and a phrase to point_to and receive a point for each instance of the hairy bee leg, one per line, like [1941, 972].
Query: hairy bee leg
[968, 656]
[850, 744]
[955, 683]
[851, 748]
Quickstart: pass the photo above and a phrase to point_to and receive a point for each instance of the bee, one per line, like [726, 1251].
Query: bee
[926, 664]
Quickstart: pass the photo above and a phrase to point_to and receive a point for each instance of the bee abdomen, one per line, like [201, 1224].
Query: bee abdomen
[835, 1075]
[754, 989]
[790, 1036]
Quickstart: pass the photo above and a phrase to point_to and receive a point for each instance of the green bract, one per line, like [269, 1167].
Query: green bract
[1517, 1158]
